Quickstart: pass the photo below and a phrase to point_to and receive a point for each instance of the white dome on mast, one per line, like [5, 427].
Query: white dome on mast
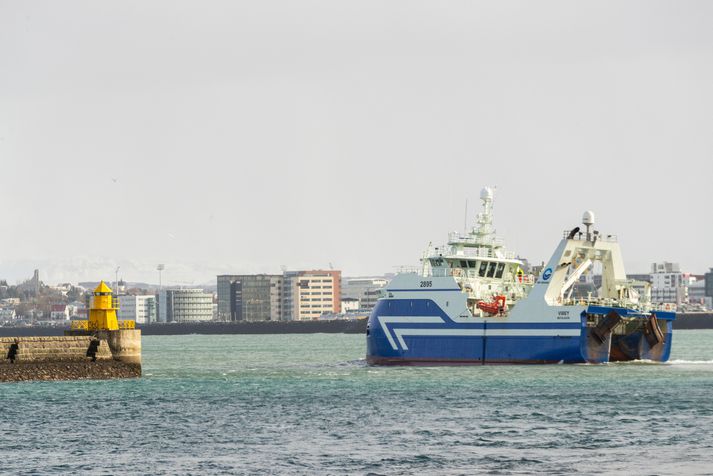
[588, 218]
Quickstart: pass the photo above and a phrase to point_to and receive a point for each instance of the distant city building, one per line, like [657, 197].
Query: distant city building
[365, 290]
[667, 285]
[77, 309]
[62, 288]
[227, 302]
[306, 295]
[185, 305]
[294, 295]
[141, 309]
[349, 305]
[32, 285]
[59, 312]
[290, 283]
[709, 283]
[697, 294]
[261, 297]
[7, 314]
[249, 297]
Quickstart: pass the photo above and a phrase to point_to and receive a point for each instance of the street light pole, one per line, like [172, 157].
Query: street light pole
[160, 268]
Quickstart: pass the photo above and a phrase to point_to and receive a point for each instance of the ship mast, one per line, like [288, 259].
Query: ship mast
[483, 232]
[482, 235]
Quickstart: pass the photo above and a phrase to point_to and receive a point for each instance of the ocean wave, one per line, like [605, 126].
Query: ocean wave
[689, 362]
[667, 363]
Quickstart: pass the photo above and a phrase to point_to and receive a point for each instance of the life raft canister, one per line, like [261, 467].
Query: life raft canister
[494, 307]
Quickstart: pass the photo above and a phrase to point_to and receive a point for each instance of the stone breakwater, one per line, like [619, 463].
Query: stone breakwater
[61, 358]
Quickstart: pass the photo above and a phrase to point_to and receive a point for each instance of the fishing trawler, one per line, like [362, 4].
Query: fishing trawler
[473, 302]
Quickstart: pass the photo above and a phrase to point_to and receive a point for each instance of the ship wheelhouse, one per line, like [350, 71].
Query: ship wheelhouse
[480, 265]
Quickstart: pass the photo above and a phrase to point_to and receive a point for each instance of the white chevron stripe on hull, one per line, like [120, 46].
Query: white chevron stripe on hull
[384, 320]
[400, 332]
[482, 332]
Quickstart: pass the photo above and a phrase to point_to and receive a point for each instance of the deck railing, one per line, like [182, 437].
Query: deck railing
[79, 325]
[582, 236]
[83, 325]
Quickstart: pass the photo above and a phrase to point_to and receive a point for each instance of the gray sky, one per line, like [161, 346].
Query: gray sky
[243, 136]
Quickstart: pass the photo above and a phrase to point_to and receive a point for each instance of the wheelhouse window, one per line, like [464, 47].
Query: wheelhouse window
[499, 270]
[491, 269]
[483, 268]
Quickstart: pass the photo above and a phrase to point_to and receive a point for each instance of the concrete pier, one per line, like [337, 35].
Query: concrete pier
[125, 344]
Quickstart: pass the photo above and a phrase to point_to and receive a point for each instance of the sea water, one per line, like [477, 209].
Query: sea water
[308, 404]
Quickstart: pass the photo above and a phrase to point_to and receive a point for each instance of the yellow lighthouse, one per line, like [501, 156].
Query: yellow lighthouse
[123, 339]
[102, 313]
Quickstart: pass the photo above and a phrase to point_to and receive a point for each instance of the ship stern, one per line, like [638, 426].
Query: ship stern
[621, 335]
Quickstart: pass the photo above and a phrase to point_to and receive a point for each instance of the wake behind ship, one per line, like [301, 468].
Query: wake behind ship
[473, 303]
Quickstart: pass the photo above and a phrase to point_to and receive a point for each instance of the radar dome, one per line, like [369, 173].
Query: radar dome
[588, 217]
[486, 194]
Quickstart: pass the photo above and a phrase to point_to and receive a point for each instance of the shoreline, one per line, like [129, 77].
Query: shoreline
[684, 321]
[335, 326]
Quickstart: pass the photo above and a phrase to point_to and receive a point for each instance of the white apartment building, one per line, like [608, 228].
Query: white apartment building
[141, 309]
[667, 283]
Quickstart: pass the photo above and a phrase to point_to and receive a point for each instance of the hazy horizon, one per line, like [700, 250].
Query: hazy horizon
[243, 137]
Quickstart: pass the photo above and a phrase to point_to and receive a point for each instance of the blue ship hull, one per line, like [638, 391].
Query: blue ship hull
[419, 332]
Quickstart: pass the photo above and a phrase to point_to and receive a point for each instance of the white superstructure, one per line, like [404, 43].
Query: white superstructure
[494, 281]
[479, 262]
